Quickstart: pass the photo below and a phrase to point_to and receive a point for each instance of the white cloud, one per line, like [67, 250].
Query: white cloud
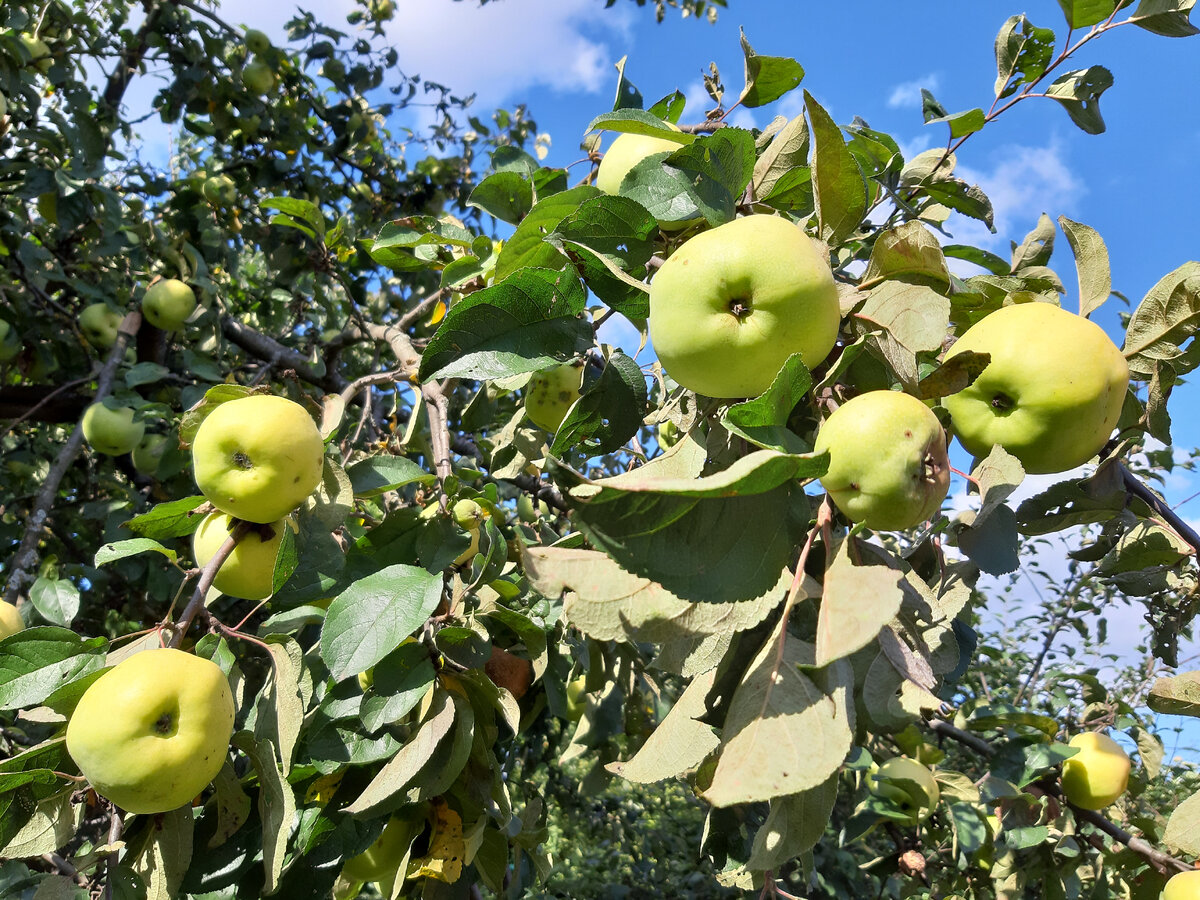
[909, 93]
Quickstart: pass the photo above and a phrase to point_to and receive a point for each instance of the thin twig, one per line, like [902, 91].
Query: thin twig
[206, 579]
[110, 866]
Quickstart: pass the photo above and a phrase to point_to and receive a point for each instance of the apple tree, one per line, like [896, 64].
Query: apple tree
[328, 409]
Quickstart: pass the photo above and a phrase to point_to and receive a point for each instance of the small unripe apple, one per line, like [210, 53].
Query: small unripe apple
[257, 42]
[382, 10]
[887, 460]
[220, 191]
[550, 393]
[382, 858]
[99, 323]
[258, 77]
[148, 454]
[1098, 774]
[468, 515]
[39, 52]
[1183, 886]
[111, 431]
[10, 620]
[168, 303]
[250, 569]
[10, 343]
[908, 784]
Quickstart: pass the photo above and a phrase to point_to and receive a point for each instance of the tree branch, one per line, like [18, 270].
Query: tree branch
[206, 579]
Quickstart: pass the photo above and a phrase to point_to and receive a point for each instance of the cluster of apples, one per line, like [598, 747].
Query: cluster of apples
[154, 730]
[731, 304]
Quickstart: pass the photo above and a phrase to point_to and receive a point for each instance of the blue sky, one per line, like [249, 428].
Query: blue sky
[1137, 184]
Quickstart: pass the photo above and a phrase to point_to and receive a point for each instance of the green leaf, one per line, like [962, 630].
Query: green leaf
[717, 168]
[168, 520]
[914, 314]
[1084, 13]
[628, 96]
[276, 805]
[1169, 18]
[794, 825]
[721, 538]
[838, 185]
[1164, 321]
[52, 824]
[961, 123]
[122, 549]
[402, 769]
[981, 258]
[783, 734]
[636, 121]
[670, 107]
[466, 647]
[680, 742]
[767, 77]
[1176, 696]
[167, 854]
[56, 599]
[526, 323]
[281, 696]
[910, 253]
[380, 474]
[294, 210]
[369, 619]
[506, 196]
[1091, 264]
[991, 543]
[1023, 53]
[608, 413]
[527, 246]
[399, 682]
[36, 662]
[856, 601]
[787, 152]
[1079, 93]
[763, 420]
[1182, 835]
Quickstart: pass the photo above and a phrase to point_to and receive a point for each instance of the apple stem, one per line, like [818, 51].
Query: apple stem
[970, 478]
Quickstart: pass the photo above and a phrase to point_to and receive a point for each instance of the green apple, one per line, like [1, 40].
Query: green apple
[908, 784]
[220, 191]
[99, 323]
[1098, 774]
[382, 10]
[3, 105]
[1051, 394]
[887, 460]
[382, 859]
[39, 52]
[151, 732]
[148, 454]
[626, 152]
[668, 434]
[10, 343]
[258, 77]
[257, 42]
[468, 515]
[111, 430]
[258, 457]
[10, 620]
[1183, 886]
[576, 699]
[732, 304]
[550, 393]
[250, 568]
[167, 304]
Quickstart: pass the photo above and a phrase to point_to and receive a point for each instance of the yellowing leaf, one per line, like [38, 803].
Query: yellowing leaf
[439, 313]
[447, 848]
[322, 790]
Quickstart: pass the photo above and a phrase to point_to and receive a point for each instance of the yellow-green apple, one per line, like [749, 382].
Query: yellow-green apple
[887, 460]
[626, 152]
[151, 732]
[1051, 394]
[258, 77]
[257, 42]
[732, 304]
[10, 620]
[250, 568]
[219, 190]
[3, 105]
[1098, 774]
[99, 323]
[1183, 886]
[112, 430]
[39, 52]
[382, 859]
[167, 304]
[576, 699]
[468, 515]
[148, 454]
[10, 343]
[550, 393]
[382, 10]
[908, 784]
[258, 457]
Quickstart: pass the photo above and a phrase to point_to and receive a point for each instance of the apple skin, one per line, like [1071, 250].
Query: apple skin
[258, 457]
[10, 620]
[258, 78]
[148, 454]
[382, 859]
[626, 152]
[220, 191]
[915, 788]
[888, 466]
[168, 303]
[250, 568]
[1098, 774]
[39, 52]
[550, 393]
[99, 324]
[10, 343]
[1183, 886]
[257, 42]
[732, 304]
[1052, 393]
[153, 731]
[3, 105]
[111, 431]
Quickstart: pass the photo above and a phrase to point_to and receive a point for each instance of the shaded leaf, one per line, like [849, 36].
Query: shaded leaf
[838, 185]
[767, 77]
